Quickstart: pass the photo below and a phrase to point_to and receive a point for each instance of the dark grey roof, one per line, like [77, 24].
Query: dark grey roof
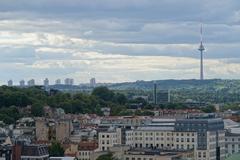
[34, 150]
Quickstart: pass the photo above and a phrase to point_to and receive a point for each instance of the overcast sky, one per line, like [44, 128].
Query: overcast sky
[118, 40]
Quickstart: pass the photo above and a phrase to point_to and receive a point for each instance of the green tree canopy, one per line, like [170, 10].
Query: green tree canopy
[103, 93]
[56, 150]
[108, 156]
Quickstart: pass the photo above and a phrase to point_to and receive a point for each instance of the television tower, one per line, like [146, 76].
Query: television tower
[201, 49]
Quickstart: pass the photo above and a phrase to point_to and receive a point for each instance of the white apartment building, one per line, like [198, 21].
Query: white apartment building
[232, 143]
[206, 137]
[160, 138]
[108, 139]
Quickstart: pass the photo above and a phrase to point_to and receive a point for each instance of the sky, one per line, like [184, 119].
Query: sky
[118, 41]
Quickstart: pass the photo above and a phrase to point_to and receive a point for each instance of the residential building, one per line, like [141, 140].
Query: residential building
[210, 136]
[232, 143]
[161, 134]
[22, 83]
[124, 121]
[92, 82]
[157, 154]
[46, 82]
[69, 81]
[10, 83]
[63, 130]
[86, 149]
[109, 138]
[5, 152]
[31, 82]
[58, 81]
[106, 111]
[163, 96]
[34, 152]
[42, 129]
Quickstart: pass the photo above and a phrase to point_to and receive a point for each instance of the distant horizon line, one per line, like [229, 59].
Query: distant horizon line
[99, 83]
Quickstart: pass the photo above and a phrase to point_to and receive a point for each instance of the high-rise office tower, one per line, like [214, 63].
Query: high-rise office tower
[31, 82]
[58, 81]
[10, 83]
[22, 83]
[92, 82]
[68, 81]
[46, 82]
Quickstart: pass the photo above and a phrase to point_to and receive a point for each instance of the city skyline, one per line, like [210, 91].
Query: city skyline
[119, 41]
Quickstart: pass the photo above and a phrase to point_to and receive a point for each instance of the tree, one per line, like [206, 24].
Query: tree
[37, 110]
[56, 150]
[120, 99]
[108, 156]
[103, 93]
[209, 109]
[9, 115]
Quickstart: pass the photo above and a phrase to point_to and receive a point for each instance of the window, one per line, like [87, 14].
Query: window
[199, 154]
[204, 154]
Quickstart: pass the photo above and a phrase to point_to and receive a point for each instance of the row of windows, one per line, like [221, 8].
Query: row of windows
[201, 154]
[233, 146]
[133, 158]
[105, 148]
[108, 136]
[162, 134]
[84, 153]
[187, 140]
[162, 139]
[233, 139]
[162, 145]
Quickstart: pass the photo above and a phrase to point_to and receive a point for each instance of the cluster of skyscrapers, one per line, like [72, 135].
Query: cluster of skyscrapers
[67, 81]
